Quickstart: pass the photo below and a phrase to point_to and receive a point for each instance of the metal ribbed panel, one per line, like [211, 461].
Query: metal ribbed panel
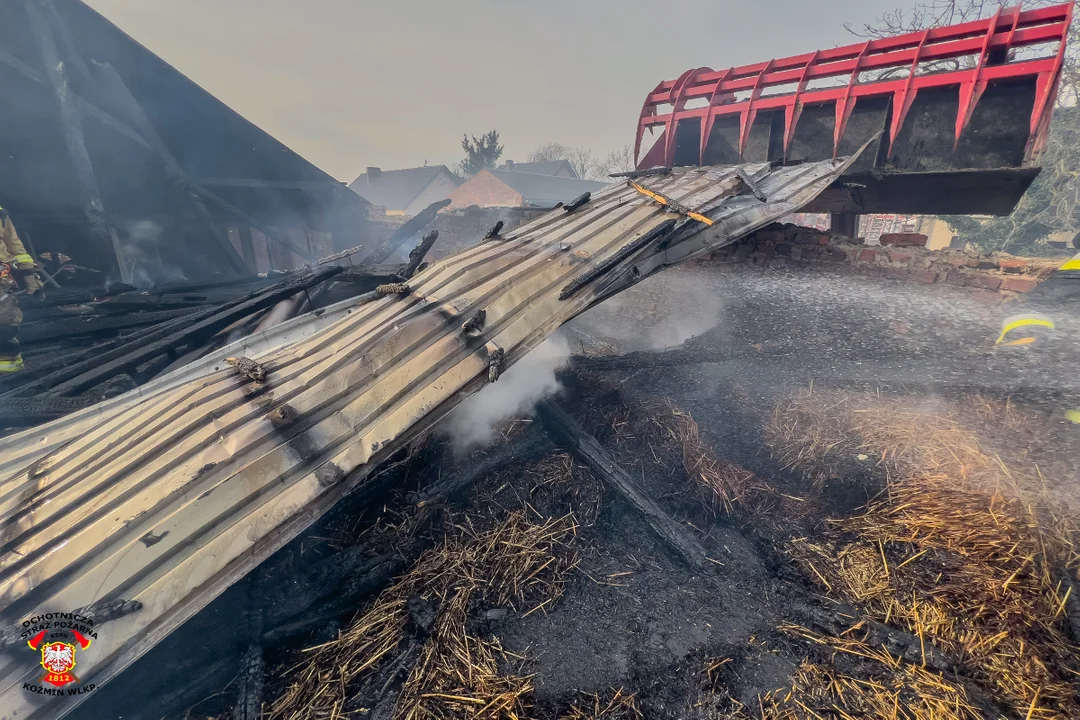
[170, 496]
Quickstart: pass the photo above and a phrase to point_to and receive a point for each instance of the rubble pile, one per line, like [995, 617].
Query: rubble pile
[650, 544]
[945, 595]
[785, 245]
[84, 346]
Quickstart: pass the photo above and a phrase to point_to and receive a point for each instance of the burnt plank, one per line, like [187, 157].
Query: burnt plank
[101, 366]
[568, 432]
[79, 326]
[27, 412]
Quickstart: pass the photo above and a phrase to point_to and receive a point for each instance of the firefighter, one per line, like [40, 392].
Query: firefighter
[16, 268]
[1043, 323]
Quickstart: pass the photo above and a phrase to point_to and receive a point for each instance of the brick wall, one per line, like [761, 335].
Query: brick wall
[485, 190]
[791, 246]
[458, 229]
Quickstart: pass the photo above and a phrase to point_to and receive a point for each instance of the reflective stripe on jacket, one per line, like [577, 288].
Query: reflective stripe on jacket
[11, 247]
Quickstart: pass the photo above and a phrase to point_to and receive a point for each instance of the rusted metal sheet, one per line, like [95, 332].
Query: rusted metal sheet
[170, 496]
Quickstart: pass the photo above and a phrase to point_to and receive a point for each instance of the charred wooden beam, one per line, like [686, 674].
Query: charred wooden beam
[847, 622]
[27, 412]
[111, 81]
[406, 231]
[416, 256]
[250, 685]
[377, 274]
[237, 286]
[79, 326]
[566, 430]
[86, 374]
[38, 378]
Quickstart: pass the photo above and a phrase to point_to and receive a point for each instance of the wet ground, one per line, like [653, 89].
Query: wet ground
[633, 615]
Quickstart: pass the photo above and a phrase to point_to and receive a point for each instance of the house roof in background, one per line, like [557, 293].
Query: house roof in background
[544, 167]
[545, 190]
[395, 189]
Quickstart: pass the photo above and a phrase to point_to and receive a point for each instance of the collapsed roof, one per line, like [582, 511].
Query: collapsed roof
[183, 508]
[131, 145]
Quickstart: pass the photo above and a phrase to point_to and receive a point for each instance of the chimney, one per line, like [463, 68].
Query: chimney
[508, 165]
[373, 173]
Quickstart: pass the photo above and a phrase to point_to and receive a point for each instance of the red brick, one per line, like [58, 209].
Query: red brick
[1019, 284]
[770, 235]
[990, 282]
[806, 236]
[1010, 263]
[485, 190]
[867, 256]
[899, 257]
[903, 239]
[962, 262]
[928, 277]
[955, 277]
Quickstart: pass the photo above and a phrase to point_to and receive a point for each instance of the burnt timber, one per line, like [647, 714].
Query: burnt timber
[116, 159]
[219, 498]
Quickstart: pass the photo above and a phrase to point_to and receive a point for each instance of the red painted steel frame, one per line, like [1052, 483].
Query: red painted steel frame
[1006, 30]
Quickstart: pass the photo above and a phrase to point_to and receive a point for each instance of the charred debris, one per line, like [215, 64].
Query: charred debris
[817, 549]
[86, 345]
[851, 553]
[785, 546]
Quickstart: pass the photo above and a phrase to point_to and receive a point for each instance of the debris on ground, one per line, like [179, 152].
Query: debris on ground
[941, 596]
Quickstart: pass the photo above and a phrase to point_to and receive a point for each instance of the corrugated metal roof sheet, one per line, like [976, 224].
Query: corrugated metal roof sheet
[171, 497]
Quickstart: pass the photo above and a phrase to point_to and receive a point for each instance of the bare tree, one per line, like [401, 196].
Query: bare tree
[587, 165]
[549, 151]
[939, 13]
[584, 162]
[581, 159]
[616, 161]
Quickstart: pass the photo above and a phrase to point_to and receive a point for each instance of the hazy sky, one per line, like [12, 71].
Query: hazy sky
[352, 83]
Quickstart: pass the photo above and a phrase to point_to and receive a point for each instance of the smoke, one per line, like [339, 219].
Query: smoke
[141, 264]
[532, 379]
[685, 315]
[662, 312]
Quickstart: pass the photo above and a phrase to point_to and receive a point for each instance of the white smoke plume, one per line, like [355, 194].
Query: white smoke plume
[660, 313]
[532, 379]
[141, 264]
